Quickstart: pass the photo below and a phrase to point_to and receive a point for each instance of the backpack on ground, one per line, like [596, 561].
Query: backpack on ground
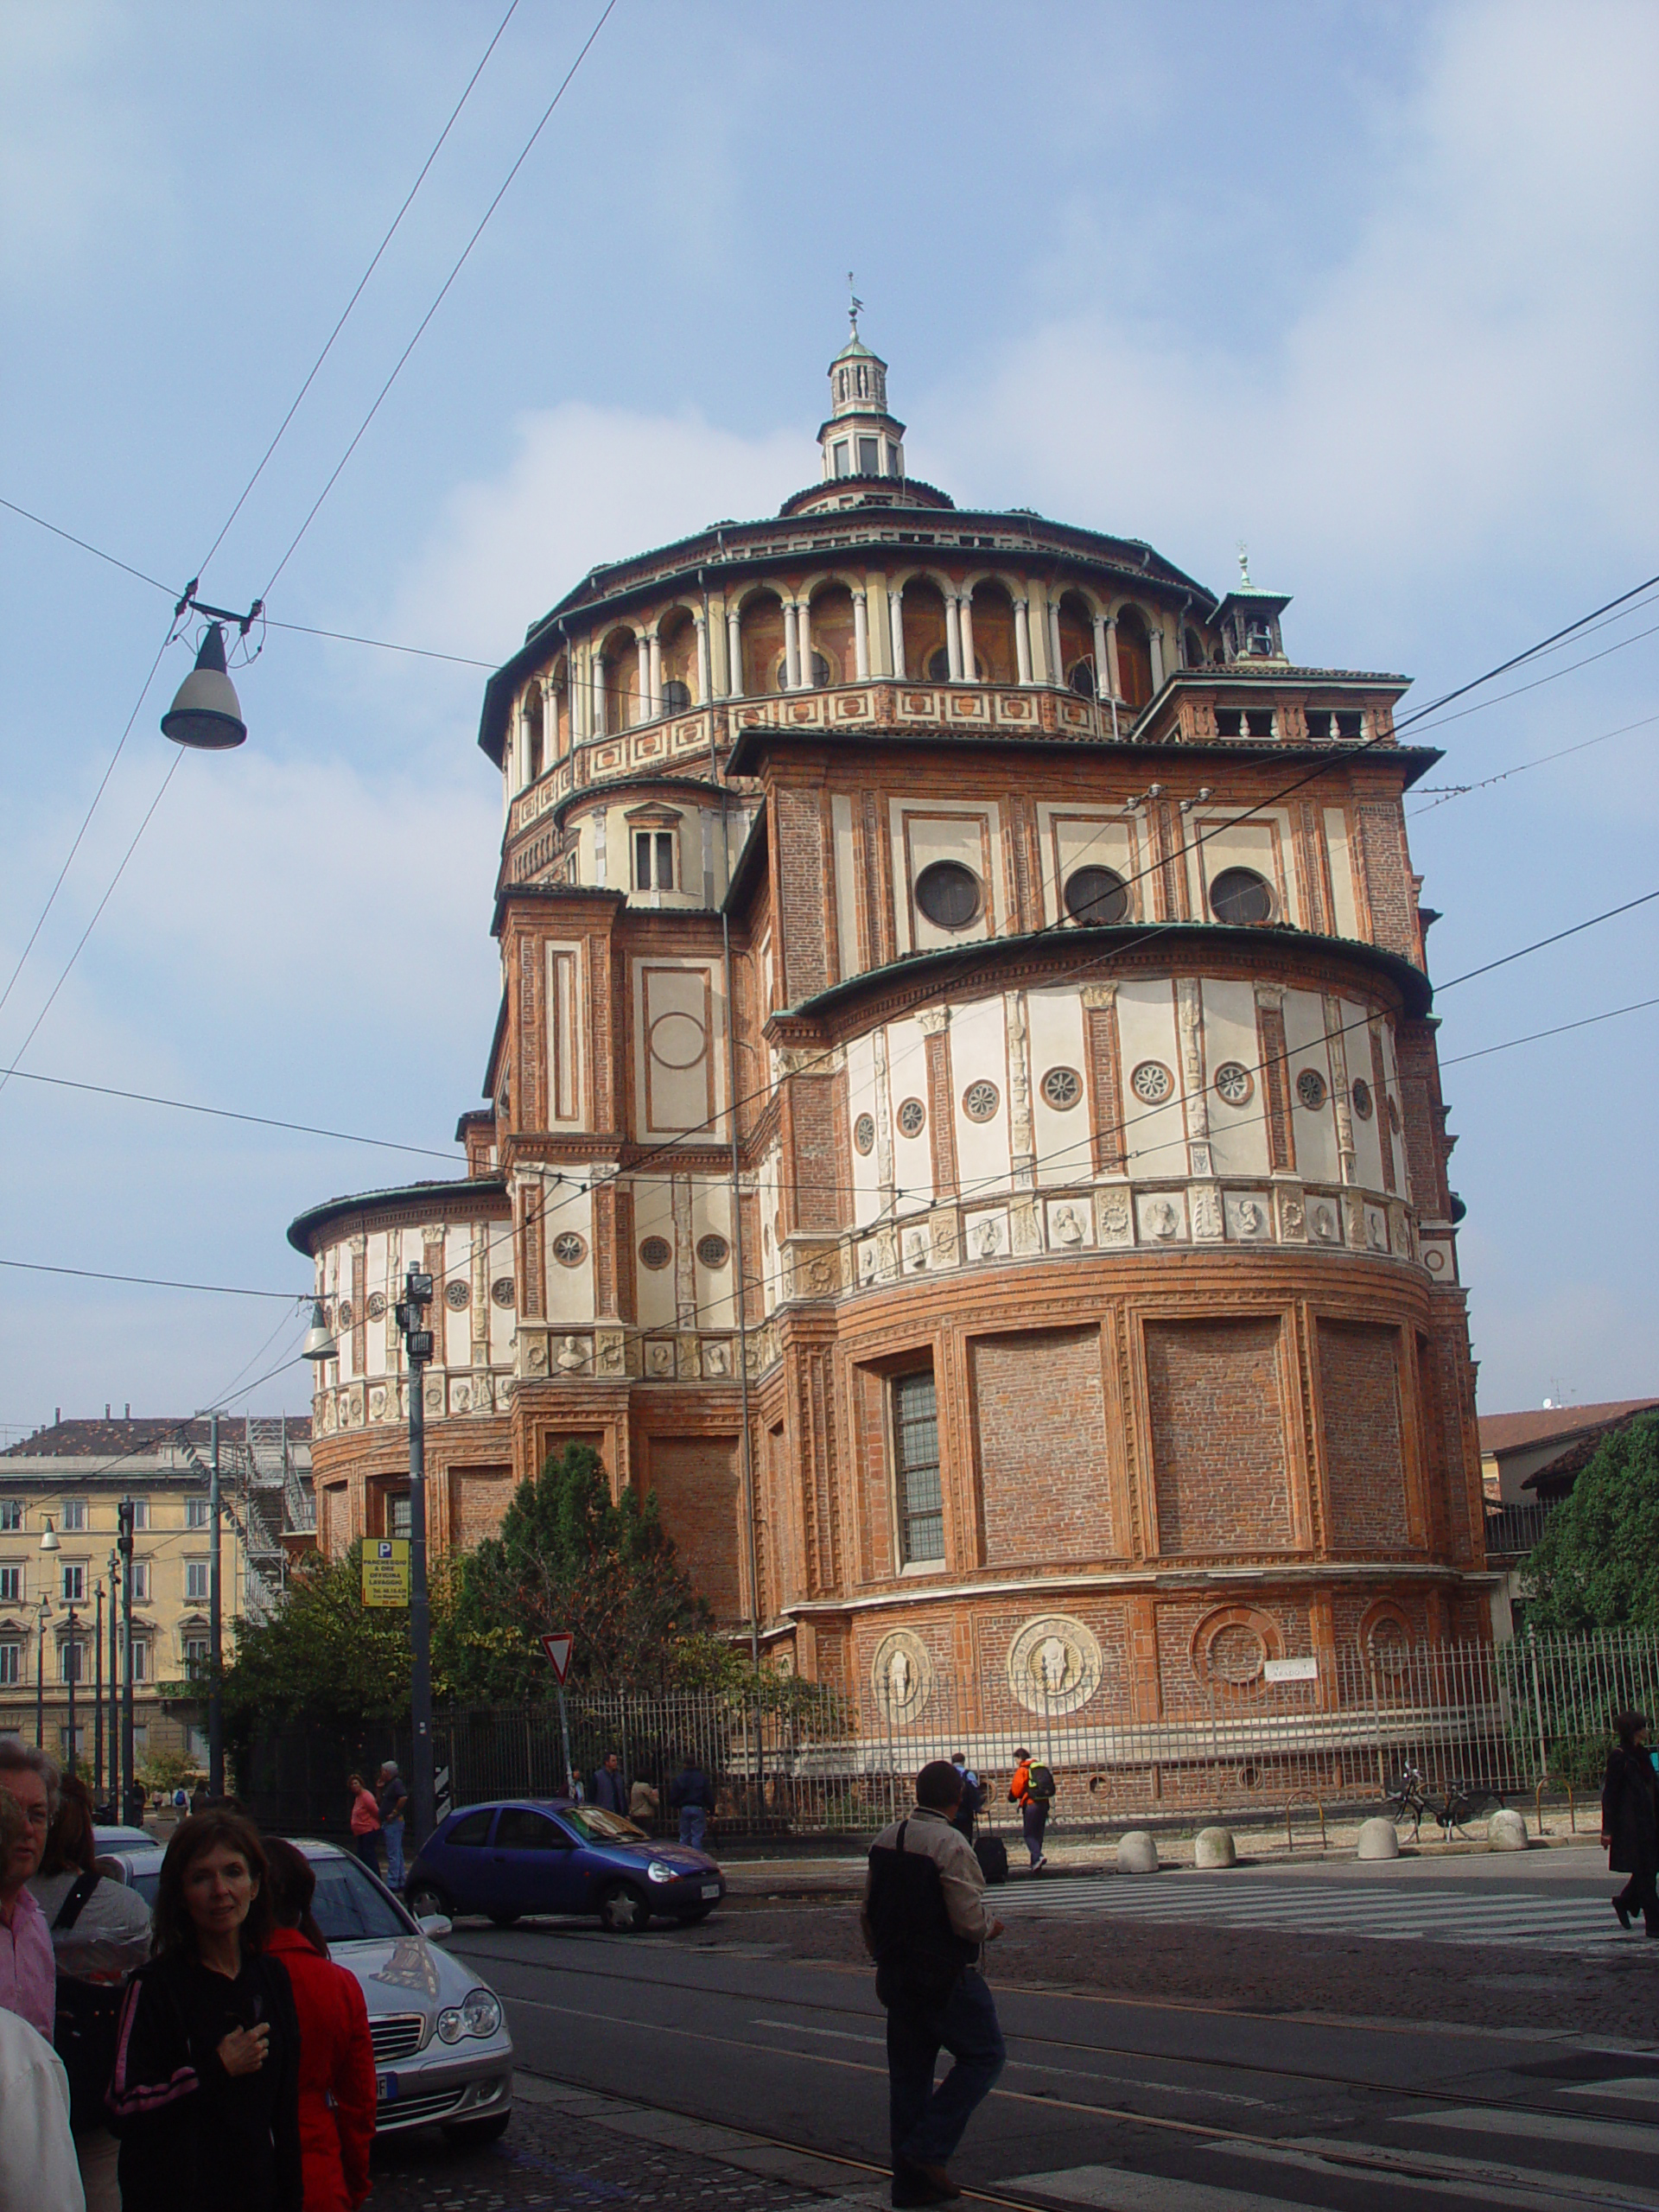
[85, 2026]
[993, 1856]
[1039, 1781]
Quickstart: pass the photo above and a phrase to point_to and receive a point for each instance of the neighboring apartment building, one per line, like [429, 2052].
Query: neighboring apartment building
[1528, 1462]
[56, 1607]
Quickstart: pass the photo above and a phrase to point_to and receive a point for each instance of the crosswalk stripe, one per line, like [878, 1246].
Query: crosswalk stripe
[1525, 2188]
[1541, 2127]
[1117, 2191]
[1625, 2089]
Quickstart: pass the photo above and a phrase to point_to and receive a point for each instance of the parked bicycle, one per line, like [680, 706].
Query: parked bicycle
[1411, 1796]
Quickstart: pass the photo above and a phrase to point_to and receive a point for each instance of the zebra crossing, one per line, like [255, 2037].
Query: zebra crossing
[1408, 1911]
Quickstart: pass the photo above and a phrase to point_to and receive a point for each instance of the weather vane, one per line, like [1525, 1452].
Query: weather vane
[854, 305]
[1244, 565]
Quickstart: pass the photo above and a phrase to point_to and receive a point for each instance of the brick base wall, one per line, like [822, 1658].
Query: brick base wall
[1359, 1388]
[1218, 1436]
[1042, 1447]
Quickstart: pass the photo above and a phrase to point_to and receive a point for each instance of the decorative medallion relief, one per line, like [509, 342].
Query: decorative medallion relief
[1152, 1082]
[1311, 1090]
[913, 1118]
[376, 1308]
[1114, 1217]
[1234, 1084]
[568, 1249]
[501, 1291]
[901, 1674]
[1054, 1664]
[456, 1296]
[1062, 1088]
[1069, 1224]
[864, 1134]
[980, 1100]
[1249, 1218]
[1231, 1646]
[1162, 1217]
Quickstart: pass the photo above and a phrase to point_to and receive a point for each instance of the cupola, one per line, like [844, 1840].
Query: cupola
[861, 438]
[1248, 619]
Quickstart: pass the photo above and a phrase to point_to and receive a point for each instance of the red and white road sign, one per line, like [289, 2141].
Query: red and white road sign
[558, 1650]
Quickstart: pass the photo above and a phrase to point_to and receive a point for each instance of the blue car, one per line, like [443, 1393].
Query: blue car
[545, 1854]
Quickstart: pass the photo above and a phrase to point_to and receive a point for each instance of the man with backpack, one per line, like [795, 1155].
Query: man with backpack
[973, 1796]
[1032, 1790]
[924, 1922]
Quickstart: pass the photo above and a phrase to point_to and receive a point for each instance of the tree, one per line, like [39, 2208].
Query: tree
[1597, 1563]
[570, 1556]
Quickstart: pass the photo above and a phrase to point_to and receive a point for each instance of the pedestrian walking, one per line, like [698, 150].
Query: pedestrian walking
[27, 1974]
[38, 2169]
[610, 1790]
[973, 1796]
[206, 2090]
[644, 1805]
[135, 1805]
[691, 1795]
[392, 1799]
[926, 1923]
[337, 2085]
[1630, 1821]
[1031, 1789]
[199, 1797]
[365, 1822]
[100, 1932]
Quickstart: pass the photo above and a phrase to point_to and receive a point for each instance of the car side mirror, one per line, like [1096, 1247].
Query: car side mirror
[435, 1926]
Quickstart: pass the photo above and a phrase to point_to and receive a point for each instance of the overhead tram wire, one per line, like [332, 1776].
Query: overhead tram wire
[1438, 796]
[1589, 1021]
[226, 1114]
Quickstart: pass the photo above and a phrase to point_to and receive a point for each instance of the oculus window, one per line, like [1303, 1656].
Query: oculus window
[948, 894]
[1239, 895]
[916, 1454]
[1096, 896]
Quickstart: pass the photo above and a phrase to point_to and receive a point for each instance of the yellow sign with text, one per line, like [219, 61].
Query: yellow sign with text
[386, 1571]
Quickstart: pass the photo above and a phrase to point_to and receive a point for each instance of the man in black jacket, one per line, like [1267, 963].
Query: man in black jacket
[610, 1786]
[924, 1922]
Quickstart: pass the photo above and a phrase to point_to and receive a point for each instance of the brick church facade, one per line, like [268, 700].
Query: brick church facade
[963, 1122]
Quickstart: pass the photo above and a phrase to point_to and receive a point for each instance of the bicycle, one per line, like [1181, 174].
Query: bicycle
[1451, 1807]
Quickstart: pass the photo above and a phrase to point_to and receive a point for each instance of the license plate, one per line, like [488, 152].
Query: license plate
[386, 2088]
[711, 1889]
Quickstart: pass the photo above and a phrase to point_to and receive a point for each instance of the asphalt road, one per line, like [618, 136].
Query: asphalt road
[1131, 2104]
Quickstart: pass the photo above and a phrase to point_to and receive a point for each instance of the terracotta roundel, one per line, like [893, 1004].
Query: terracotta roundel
[980, 1101]
[713, 1251]
[901, 1674]
[568, 1249]
[1359, 1092]
[343, 1319]
[455, 1295]
[656, 1252]
[1234, 1084]
[912, 1117]
[1062, 1087]
[864, 1134]
[376, 1308]
[1310, 1088]
[501, 1290]
[1054, 1664]
[1152, 1082]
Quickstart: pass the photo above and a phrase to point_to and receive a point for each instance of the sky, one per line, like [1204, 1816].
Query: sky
[1369, 287]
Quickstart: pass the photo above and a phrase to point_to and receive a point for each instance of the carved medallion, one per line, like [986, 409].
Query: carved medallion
[901, 1674]
[1054, 1664]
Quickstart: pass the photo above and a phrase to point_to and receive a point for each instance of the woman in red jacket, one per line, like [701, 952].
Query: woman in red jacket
[336, 2056]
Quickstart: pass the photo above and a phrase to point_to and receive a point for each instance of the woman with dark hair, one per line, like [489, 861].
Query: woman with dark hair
[1630, 1820]
[206, 2090]
[337, 2085]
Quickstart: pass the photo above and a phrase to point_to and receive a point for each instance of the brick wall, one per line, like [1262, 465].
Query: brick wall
[1359, 1387]
[1388, 881]
[1218, 1436]
[478, 1498]
[1041, 1422]
[800, 874]
[699, 1491]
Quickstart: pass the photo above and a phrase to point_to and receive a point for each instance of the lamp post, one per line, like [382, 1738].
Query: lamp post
[215, 1630]
[417, 1342]
[114, 1798]
[97, 1694]
[49, 1544]
[123, 1520]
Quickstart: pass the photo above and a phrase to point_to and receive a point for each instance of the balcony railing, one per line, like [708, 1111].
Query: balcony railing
[1513, 1531]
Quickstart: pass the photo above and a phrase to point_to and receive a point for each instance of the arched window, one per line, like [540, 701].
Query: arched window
[993, 648]
[623, 705]
[863, 382]
[534, 739]
[1134, 657]
[1239, 895]
[677, 642]
[677, 695]
[1191, 649]
[761, 628]
[834, 654]
[925, 645]
[1077, 646]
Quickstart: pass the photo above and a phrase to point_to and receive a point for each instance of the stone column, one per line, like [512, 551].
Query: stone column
[733, 654]
[952, 639]
[654, 670]
[705, 671]
[1116, 681]
[1104, 687]
[643, 648]
[600, 717]
[804, 643]
[1056, 666]
[896, 630]
[792, 649]
[1155, 633]
[860, 637]
[969, 664]
[1022, 638]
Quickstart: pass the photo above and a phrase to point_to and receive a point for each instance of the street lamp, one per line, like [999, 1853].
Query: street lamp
[417, 1343]
[97, 1694]
[206, 713]
[48, 1545]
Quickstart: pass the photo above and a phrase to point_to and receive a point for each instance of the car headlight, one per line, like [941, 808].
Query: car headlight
[481, 2012]
[451, 2025]
[659, 1871]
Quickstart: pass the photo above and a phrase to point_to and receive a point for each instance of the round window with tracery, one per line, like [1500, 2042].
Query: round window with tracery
[1360, 1092]
[1236, 1654]
[455, 1295]
[343, 1319]
[913, 1118]
[569, 1249]
[713, 1251]
[1152, 1082]
[980, 1101]
[501, 1290]
[1062, 1087]
[377, 1305]
[864, 1134]
[1310, 1088]
[656, 1252]
[949, 894]
[1234, 1084]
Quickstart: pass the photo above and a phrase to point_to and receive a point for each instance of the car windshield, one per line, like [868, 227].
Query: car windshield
[349, 1907]
[595, 1825]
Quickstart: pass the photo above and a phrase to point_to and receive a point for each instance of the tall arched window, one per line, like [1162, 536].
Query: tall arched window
[994, 648]
[834, 655]
[677, 637]
[1077, 646]
[761, 625]
[1134, 657]
[924, 642]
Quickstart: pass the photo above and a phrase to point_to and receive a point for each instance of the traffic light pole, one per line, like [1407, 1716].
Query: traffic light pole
[215, 1627]
[123, 1545]
[417, 1338]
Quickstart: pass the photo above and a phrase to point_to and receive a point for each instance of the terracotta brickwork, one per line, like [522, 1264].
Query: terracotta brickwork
[1359, 1390]
[1214, 1394]
[1042, 1449]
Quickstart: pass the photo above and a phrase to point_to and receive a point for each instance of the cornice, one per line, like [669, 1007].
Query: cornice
[1255, 1576]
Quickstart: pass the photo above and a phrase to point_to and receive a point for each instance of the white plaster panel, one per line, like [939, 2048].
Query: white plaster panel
[570, 1207]
[847, 883]
[1316, 1133]
[912, 1157]
[653, 1216]
[1154, 1136]
[923, 831]
[1086, 839]
[374, 1278]
[862, 1099]
[1238, 1134]
[979, 1046]
[770, 1265]
[1064, 1152]
[566, 1073]
[1342, 872]
[711, 1216]
[675, 1039]
[1259, 843]
[1368, 1136]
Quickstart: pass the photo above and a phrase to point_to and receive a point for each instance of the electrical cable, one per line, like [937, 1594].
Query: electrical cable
[1554, 676]
[152, 1282]
[444, 292]
[97, 551]
[1588, 1022]
[1443, 796]
[226, 1114]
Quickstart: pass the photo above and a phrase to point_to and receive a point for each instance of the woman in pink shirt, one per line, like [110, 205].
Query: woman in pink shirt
[29, 1979]
[365, 1823]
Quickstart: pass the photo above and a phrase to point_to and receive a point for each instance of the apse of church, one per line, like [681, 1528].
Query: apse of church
[964, 1014]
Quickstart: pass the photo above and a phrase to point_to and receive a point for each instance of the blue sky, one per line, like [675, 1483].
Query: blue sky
[1369, 287]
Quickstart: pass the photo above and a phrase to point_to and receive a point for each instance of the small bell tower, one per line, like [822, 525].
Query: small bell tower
[860, 439]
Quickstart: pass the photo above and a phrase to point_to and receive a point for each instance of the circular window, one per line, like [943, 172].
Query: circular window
[343, 1319]
[656, 1251]
[455, 1295]
[677, 696]
[864, 1134]
[1360, 1092]
[948, 894]
[912, 1117]
[569, 1249]
[501, 1290]
[713, 1251]
[1236, 1654]
[377, 1305]
[1152, 1082]
[1310, 1088]
[980, 1101]
[1239, 895]
[1097, 896]
[1062, 1087]
[1235, 1083]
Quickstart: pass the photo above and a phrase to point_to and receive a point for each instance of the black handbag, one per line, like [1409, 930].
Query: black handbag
[86, 2022]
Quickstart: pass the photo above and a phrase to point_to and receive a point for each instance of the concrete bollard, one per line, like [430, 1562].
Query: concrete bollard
[1214, 1847]
[1506, 1830]
[1137, 1852]
[1378, 1839]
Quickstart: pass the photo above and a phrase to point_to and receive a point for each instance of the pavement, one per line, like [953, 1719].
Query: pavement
[1271, 2040]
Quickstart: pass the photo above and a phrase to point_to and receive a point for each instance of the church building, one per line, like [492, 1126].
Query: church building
[963, 1125]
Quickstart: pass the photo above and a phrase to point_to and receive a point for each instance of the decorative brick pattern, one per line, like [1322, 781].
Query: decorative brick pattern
[1214, 1394]
[1272, 1055]
[698, 1484]
[1388, 879]
[1105, 1078]
[804, 959]
[941, 1114]
[1041, 1433]
[1359, 1392]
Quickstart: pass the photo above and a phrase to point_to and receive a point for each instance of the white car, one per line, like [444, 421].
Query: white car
[443, 2054]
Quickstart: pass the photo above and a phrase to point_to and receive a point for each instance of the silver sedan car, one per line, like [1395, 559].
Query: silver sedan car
[441, 2051]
